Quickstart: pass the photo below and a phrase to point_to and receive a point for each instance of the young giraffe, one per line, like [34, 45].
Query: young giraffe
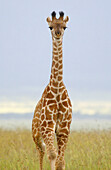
[53, 113]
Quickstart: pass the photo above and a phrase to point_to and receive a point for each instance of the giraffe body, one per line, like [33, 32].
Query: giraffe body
[53, 113]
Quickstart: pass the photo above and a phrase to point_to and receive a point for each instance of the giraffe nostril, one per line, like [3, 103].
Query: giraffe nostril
[58, 33]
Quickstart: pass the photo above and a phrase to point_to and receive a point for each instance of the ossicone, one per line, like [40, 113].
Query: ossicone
[61, 13]
[53, 14]
[54, 19]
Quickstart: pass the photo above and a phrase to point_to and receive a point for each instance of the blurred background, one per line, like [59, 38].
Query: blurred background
[26, 55]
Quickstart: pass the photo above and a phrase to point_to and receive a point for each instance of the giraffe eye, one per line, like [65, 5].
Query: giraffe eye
[64, 28]
[51, 28]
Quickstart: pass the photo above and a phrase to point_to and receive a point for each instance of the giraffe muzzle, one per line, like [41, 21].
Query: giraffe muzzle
[58, 34]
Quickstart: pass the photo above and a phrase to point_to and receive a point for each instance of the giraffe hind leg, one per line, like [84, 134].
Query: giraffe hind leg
[62, 139]
[41, 149]
[36, 134]
[48, 137]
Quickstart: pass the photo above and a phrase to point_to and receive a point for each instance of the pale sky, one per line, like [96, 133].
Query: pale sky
[25, 52]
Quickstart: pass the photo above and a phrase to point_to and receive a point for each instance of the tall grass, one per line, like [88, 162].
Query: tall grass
[85, 151]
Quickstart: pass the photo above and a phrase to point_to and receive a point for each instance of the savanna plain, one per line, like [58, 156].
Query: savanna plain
[85, 151]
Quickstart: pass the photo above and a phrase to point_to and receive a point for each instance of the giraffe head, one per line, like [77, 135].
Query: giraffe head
[57, 26]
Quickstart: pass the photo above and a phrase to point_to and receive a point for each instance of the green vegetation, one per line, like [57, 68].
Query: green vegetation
[85, 151]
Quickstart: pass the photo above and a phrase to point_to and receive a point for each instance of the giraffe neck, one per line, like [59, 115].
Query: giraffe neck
[57, 64]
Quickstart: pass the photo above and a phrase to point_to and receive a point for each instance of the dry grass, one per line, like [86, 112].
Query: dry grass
[85, 151]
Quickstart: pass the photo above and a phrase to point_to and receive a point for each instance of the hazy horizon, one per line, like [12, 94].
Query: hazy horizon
[80, 122]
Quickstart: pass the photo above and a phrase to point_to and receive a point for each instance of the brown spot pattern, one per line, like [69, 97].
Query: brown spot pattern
[53, 107]
[61, 72]
[64, 131]
[60, 61]
[63, 95]
[59, 78]
[36, 124]
[50, 124]
[55, 53]
[35, 131]
[50, 95]
[43, 124]
[51, 76]
[35, 120]
[53, 63]
[61, 89]
[55, 75]
[56, 65]
[51, 101]
[54, 90]
[59, 48]
[65, 103]
[37, 115]
[66, 114]
[61, 108]
[42, 129]
[54, 44]
[43, 110]
[55, 117]
[69, 125]
[60, 116]
[63, 124]
[61, 84]
[55, 83]
[42, 117]
[69, 117]
[44, 102]
[56, 58]
[69, 102]
[48, 114]
[58, 98]
[60, 67]
[48, 88]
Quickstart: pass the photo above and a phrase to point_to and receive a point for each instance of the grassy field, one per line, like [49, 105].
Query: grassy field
[85, 151]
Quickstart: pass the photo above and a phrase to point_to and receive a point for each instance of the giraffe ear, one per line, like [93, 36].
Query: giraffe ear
[66, 19]
[48, 20]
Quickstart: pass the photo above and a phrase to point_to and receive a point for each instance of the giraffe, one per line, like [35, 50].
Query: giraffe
[53, 113]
